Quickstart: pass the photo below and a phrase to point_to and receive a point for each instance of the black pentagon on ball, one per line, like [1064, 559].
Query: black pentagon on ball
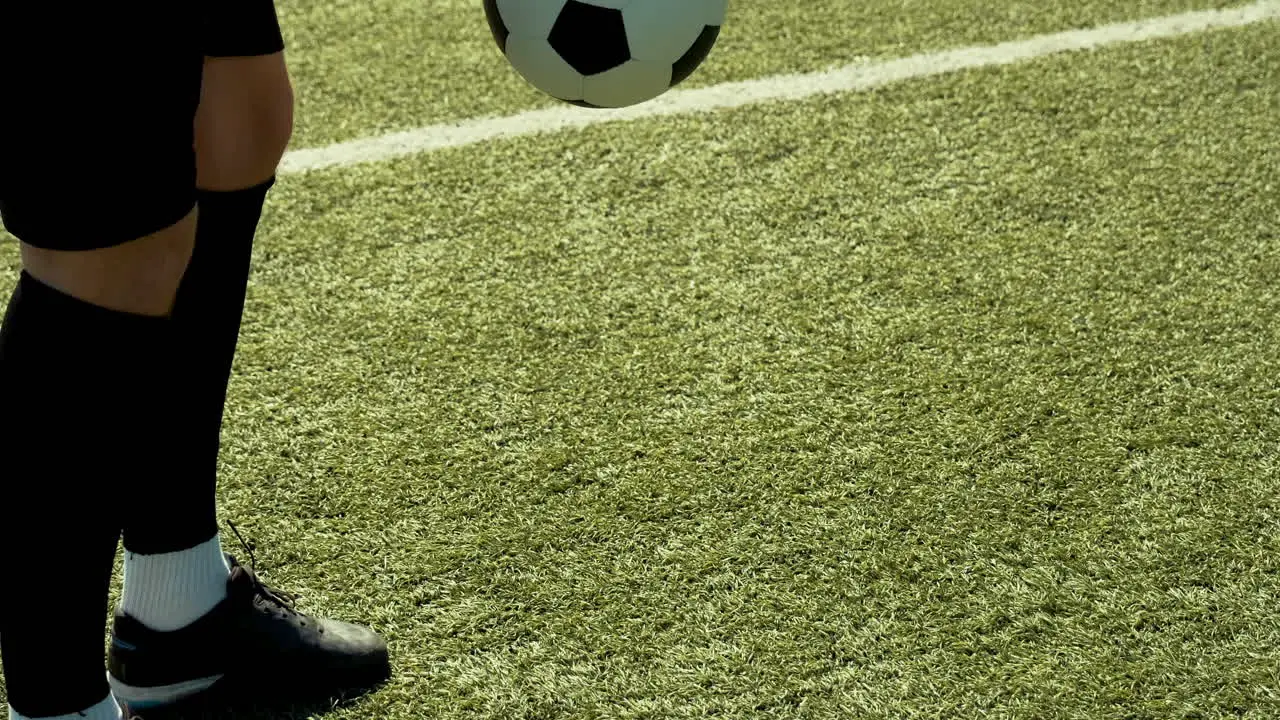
[694, 56]
[591, 39]
[496, 24]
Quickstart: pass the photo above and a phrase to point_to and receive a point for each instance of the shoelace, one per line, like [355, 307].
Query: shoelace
[279, 598]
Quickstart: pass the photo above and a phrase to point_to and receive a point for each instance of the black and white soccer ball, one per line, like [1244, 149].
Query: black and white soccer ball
[605, 53]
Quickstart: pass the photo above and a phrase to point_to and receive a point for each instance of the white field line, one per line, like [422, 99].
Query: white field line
[849, 78]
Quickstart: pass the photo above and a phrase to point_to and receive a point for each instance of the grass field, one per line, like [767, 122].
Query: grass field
[959, 398]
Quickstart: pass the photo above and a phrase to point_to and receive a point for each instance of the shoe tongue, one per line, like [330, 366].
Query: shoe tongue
[241, 583]
[240, 577]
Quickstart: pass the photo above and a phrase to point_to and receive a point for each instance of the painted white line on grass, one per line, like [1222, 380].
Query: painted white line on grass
[849, 78]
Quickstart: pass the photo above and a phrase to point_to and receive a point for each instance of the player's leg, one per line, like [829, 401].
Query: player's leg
[97, 181]
[174, 571]
[181, 608]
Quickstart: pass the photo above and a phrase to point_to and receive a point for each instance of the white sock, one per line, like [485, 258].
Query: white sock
[105, 710]
[172, 590]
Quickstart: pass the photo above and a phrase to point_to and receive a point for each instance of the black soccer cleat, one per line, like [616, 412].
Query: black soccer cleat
[253, 645]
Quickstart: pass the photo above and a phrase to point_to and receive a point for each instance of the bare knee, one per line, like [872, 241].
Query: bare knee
[244, 121]
[140, 276]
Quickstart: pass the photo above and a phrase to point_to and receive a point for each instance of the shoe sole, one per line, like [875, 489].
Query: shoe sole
[224, 689]
[143, 698]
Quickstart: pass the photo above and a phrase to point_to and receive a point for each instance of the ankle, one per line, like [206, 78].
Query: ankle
[169, 591]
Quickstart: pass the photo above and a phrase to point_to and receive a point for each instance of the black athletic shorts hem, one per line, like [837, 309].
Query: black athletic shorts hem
[97, 143]
[241, 28]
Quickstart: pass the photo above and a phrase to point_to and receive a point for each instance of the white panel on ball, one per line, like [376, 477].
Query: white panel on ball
[662, 30]
[538, 63]
[612, 4]
[631, 83]
[531, 17]
[715, 11]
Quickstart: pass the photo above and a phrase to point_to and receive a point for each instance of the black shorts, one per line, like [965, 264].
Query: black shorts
[97, 109]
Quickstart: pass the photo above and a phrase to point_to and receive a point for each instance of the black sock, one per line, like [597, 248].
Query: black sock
[84, 392]
[207, 316]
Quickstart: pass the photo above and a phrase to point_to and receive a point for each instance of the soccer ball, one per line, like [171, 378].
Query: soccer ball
[605, 53]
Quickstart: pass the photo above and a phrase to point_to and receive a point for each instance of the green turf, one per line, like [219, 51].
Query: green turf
[956, 399]
[377, 66]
